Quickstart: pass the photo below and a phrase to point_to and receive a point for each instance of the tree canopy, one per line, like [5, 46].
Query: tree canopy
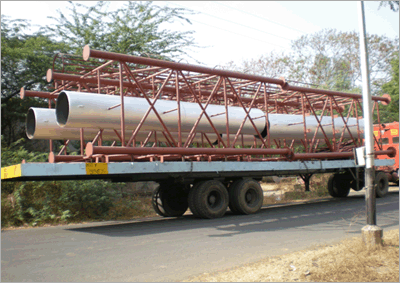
[137, 28]
[25, 59]
[390, 113]
[328, 59]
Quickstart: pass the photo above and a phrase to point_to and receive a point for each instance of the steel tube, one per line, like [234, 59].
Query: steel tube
[77, 110]
[385, 99]
[91, 150]
[323, 155]
[88, 110]
[41, 124]
[30, 93]
[336, 155]
[293, 127]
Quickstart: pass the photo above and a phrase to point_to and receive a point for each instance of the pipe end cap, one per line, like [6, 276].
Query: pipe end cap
[22, 93]
[52, 158]
[89, 149]
[393, 153]
[388, 99]
[86, 52]
[49, 75]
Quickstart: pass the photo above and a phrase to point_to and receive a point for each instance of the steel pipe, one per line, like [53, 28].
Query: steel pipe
[386, 99]
[30, 93]
[41, 124]
[91, 150]
[337, 155]
[292, 126]
[75, 109]
[88, 110]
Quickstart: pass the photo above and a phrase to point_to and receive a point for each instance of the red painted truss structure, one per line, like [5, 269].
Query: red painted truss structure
[332, 135]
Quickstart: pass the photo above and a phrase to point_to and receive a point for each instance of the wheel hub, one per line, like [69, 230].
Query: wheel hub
[211, 200]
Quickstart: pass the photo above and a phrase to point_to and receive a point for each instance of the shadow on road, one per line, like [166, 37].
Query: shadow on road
[347, 214]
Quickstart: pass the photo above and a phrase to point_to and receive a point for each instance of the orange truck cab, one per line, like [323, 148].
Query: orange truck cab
[387, 135]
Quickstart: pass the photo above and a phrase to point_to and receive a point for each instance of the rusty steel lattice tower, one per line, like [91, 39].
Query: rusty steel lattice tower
[170, 111]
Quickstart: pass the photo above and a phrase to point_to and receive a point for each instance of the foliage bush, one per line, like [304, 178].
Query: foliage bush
[52, 202]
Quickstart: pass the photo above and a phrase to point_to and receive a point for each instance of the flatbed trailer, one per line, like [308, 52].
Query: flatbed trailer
[207, 136]
[180, 179]
[185, 171]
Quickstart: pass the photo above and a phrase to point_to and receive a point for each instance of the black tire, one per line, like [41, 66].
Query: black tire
[232, 205]
[353, 184]
[338, 187]
[170, 200]
[191, 199]
[157, 203]
[209, 199]
[246, 196]
[382, 184]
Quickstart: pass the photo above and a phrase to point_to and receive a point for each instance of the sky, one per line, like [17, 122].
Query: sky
[242, 30]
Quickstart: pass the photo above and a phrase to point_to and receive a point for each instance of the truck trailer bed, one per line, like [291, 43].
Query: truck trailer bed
[153, 171]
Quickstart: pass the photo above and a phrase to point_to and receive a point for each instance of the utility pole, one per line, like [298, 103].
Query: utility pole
[372, 234]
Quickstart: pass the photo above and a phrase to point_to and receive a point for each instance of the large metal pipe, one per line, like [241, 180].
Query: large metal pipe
[292, 126]
[88, 110]
[41, 124]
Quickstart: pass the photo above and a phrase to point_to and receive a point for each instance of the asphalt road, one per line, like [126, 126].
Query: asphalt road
[160, 249]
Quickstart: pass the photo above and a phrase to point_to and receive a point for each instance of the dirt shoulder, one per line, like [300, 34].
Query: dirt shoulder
[347, 261]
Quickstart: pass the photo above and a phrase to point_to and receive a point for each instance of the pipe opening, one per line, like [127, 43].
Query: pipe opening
[264, 132]
[62, 109]
[30, 123]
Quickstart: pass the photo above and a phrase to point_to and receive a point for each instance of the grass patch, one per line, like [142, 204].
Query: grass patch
[347, 261]
[130, 207]
[291, 189]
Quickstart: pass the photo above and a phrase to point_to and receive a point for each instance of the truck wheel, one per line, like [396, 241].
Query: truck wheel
[232, 205]
[246, 196]
[338, 187]
[382, 184]
[209, 199]
[191, 199]
[157, 203]
[170, 200]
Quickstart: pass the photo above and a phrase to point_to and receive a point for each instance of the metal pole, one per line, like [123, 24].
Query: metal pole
[368, 127]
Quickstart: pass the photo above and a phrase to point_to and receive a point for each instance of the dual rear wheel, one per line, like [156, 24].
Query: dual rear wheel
[170, 199]
[339, 185]
[208, 199]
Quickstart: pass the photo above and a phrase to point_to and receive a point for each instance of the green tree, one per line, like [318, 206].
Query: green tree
[329, 59]
[137, 28]
[390, 113]
[25, 59]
